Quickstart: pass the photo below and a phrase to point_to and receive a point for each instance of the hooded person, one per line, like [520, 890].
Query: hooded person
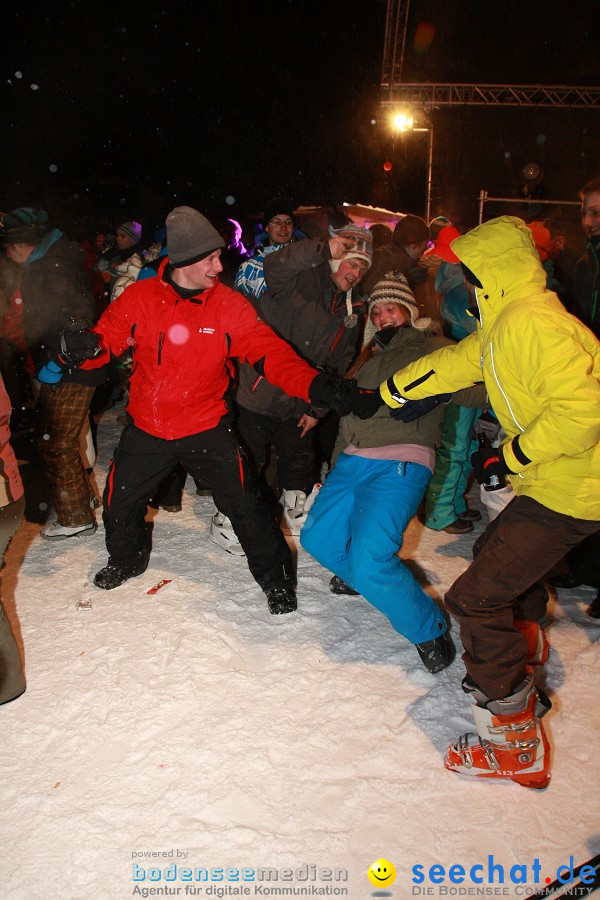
[55, 293]
[184, 329]
[312, 302]
[541, 368]
[381, 471]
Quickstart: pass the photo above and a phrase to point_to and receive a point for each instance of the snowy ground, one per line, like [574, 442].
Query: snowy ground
[189, 723]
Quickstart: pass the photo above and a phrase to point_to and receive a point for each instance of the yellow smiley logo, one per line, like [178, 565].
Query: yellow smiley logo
[382, 873]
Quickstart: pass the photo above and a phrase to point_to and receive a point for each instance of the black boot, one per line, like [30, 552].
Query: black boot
[337, 586]
[438, 653]
[281, 598]
[114, 573]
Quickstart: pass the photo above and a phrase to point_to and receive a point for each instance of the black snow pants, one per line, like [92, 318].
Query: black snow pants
[141, 461]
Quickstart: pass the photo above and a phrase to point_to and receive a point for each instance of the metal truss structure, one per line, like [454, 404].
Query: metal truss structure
[432, 96]
[395, 92]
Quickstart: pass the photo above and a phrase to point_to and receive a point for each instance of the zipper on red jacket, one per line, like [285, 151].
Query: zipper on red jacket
[161, 340]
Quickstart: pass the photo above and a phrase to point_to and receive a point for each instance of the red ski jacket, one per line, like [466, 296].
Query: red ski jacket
[179, 376]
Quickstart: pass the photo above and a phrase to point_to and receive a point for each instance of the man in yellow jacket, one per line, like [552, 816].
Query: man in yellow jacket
[541, 367]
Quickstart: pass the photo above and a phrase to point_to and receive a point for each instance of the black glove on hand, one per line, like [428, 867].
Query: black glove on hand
[333, 391]
[414, 409]
[488, 461]
[76, 344]
[366, 402]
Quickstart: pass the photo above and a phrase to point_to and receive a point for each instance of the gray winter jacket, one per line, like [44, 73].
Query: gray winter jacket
[303, 306]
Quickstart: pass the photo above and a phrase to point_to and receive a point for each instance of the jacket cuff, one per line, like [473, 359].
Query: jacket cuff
[514, 458]
[390, 394]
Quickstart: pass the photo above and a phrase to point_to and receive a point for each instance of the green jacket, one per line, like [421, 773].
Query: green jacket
[540, 365]
[407, 345]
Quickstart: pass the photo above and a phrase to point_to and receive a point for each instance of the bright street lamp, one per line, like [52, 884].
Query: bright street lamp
[405, 121]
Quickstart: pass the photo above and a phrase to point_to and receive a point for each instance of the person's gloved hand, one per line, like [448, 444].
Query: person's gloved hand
[332, 391]
[76, 343]
[488, 461]
[366, 402]
[344, 396]
[414, 409]
[51, 373]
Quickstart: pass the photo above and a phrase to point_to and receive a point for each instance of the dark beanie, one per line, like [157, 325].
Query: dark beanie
[410, 230]
[24, 225]
[277, 206]
[190, 237]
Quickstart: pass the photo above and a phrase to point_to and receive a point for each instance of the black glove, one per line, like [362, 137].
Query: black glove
[76, 343]
[488, 461]
[366, 402]
[333, 391]
[414, 409]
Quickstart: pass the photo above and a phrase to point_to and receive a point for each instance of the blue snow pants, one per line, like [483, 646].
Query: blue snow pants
[355, 528]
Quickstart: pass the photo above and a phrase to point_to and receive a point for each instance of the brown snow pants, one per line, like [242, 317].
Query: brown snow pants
[64, 409]
[501, 584]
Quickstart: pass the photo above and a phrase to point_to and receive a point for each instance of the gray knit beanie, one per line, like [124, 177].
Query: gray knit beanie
[132, 230]
[394, 288]
[190, 237]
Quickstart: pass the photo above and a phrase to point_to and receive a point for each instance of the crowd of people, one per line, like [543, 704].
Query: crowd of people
[377, 370]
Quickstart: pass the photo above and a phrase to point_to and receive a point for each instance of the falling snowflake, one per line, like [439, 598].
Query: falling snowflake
[229, 200]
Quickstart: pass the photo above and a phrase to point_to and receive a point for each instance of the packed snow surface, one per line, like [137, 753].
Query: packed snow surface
[191, 728]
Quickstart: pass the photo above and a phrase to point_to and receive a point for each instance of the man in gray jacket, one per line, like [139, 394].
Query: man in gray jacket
[313, 304]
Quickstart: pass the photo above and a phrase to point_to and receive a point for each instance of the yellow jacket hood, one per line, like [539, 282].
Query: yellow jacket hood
[502, 255]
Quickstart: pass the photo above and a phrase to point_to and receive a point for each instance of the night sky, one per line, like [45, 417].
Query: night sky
[123, 110]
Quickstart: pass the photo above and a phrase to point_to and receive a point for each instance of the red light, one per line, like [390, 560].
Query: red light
[387, 166]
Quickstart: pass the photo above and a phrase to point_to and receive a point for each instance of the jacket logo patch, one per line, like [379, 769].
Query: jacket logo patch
[206, 331]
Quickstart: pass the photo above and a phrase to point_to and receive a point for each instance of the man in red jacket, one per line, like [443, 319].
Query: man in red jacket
[183, 328]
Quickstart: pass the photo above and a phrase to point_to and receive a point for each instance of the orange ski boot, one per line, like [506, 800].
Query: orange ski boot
[510, 741]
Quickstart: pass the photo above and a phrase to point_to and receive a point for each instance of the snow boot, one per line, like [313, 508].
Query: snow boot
[438, 653]
[293, 511]
[510, 741]
[281, 599]
[58, 532]
[296, 506]
[337, 586]
[222, 533]
[114, 573]
[538, 647]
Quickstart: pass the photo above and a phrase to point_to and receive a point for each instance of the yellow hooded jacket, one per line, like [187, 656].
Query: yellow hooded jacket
[541, 368]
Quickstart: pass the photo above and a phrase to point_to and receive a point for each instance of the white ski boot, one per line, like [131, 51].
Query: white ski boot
[222, 533]
[296, 506]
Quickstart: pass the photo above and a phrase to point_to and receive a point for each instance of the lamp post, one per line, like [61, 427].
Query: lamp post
[405, 121]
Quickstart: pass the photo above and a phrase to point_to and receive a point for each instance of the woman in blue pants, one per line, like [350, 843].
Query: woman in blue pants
[383, 467]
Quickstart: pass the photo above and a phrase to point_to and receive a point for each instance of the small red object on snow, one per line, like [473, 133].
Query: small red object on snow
[158, 586]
